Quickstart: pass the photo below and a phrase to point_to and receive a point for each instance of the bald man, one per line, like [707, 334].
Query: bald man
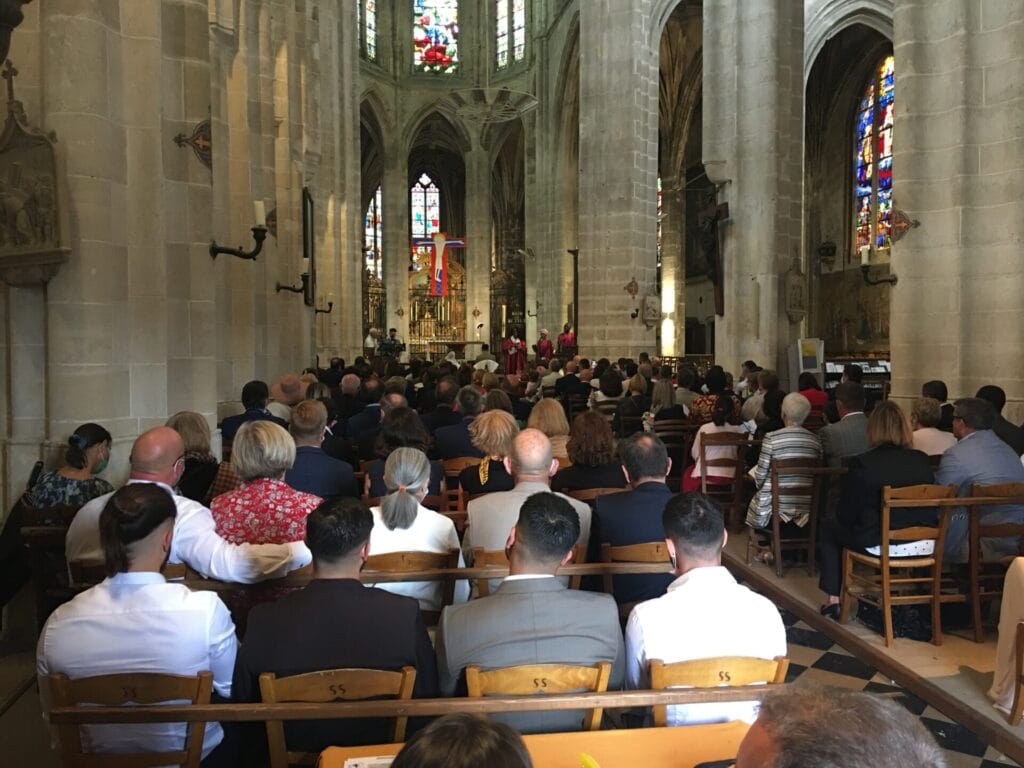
[158, 456]
[532, 466]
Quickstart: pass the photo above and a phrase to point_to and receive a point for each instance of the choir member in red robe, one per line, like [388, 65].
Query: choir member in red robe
[513, 353]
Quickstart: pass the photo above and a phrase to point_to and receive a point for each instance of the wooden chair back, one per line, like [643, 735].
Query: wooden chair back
[882, 587]
[727, 492]
[678, 436]
[83, 573]
[630, 425]
[815, 421]
[436, 502]
[607, 409]
[453, 467]
[404, 562]
[590, 494]
[538, 679]
[487, 558]
[576, 403]
[43, 531]
[799, 481]
[986, 578]
[132, 688]
[650, 552]
[547, 391]
[325, 686]
[712, 673]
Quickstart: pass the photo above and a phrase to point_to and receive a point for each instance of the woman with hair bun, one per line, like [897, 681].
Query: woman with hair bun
[402, 524]
[86, 455]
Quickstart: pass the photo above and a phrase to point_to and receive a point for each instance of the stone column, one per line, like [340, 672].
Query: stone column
[395, 200]
[618, 174]
[958, 169]
[753, 148]
[478, 244]
[673, 265]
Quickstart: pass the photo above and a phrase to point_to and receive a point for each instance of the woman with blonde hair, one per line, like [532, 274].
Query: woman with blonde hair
[925, 415]
[492, 433]
[890, 460]
[402, 524]
[549, 417]
[265, 509]
[201, 466]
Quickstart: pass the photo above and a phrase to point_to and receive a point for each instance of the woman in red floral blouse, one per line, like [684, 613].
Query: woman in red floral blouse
[264, 509]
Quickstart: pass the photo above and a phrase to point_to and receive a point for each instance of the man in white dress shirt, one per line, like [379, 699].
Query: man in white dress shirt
[158, 456]
[134, 621]
[704, 614]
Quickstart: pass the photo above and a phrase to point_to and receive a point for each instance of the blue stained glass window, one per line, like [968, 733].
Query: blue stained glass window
[425, 200]
[873, 161]
[435, 34]
[373, 237]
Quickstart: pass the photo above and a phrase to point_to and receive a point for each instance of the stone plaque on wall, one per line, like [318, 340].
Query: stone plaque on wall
[32, 213]
[854, 316]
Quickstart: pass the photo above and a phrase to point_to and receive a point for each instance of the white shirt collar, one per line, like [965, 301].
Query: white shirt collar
[137, 577]
[853, 413]
[165, 486]
[525, 576]
[707, 573]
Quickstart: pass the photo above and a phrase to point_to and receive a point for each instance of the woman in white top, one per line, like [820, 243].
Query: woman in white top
[718, 425]
[924, 418]
[402, 524]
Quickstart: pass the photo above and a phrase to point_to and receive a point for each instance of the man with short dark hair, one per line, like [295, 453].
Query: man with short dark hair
[979, 457]
[705, 613]
[849, 435]
[334, 623]
[533, 618]
[936, 390]
[367, 439]
[314, 471]
[485, 353]
[254, 398]
[444, 413]
[634, 516]
[371, 390]
[798, 726]
[454, 441]
[1009, 433]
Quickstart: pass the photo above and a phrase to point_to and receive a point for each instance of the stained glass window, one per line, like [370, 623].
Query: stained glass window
[435, 33]
[373, 237]
[873, 161]
[425, 202]
[510, 31]
[368, 28]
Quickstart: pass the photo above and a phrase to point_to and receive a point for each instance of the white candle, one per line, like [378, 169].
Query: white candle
[305, 266]
[865, 255]
[259, 211]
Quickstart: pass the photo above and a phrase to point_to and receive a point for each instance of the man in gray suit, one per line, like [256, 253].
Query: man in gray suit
[532, 466]
[979, 456]
[848, 436]
[533, 618]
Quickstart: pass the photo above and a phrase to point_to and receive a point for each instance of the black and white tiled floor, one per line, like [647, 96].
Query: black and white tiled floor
[814, 657]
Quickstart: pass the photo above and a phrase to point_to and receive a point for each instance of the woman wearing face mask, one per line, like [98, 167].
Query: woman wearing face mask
[86, 455]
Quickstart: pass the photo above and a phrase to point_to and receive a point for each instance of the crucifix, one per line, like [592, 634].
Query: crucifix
[709, 217]
[9, 73]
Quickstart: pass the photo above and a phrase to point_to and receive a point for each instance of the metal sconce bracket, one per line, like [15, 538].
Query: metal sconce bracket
[865, 270]
[330, 306]
[259, 234]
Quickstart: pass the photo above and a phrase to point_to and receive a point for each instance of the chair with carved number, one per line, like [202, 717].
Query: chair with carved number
[539, 679]
[126, 689]
[713, 673]
[410, 562]
[326, 686]
[650, 552]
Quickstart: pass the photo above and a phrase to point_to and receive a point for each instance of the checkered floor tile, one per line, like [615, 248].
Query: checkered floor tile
[814, 656]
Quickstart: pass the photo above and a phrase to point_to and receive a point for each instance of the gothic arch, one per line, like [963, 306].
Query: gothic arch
[372, 149]
[827, 18]
[453, 136]
[662, 10]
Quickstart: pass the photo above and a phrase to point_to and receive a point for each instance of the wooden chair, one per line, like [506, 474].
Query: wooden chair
[534, 679]
[589, 494]
[453, 467]
[934, 460]
[793, 480]
[815, 421]
[986, 579]
[326, 686]
[882, 587]
[132, 688]
[630, 425]
[576, 403]
[547, 391]
[677, 435]
[728, 493]
[607, 410]
[436, 502]
[83, 573]
[43, 531]
[712, 673]
[404, 562]
[485, 558]
[651, 552]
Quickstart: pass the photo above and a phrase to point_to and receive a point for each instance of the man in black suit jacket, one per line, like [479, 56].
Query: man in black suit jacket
[1009, 433]
[314, 471]
[937, 390]
[367, 439]
[335, 622]
[454, 441]
[634, 517]
[444, 413]
[370, 393]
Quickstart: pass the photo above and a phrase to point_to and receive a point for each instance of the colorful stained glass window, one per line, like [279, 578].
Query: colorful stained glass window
[873, 161]
[510, 31]
[435, 33]
[373, 237]
[660, 217]
[426, 207]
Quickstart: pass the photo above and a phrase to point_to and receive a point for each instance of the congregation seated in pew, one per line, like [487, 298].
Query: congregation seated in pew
[85, 456]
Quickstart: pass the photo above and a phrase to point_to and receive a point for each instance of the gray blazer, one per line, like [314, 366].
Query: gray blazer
[847, 437]
[530, 621]
[982, 458]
